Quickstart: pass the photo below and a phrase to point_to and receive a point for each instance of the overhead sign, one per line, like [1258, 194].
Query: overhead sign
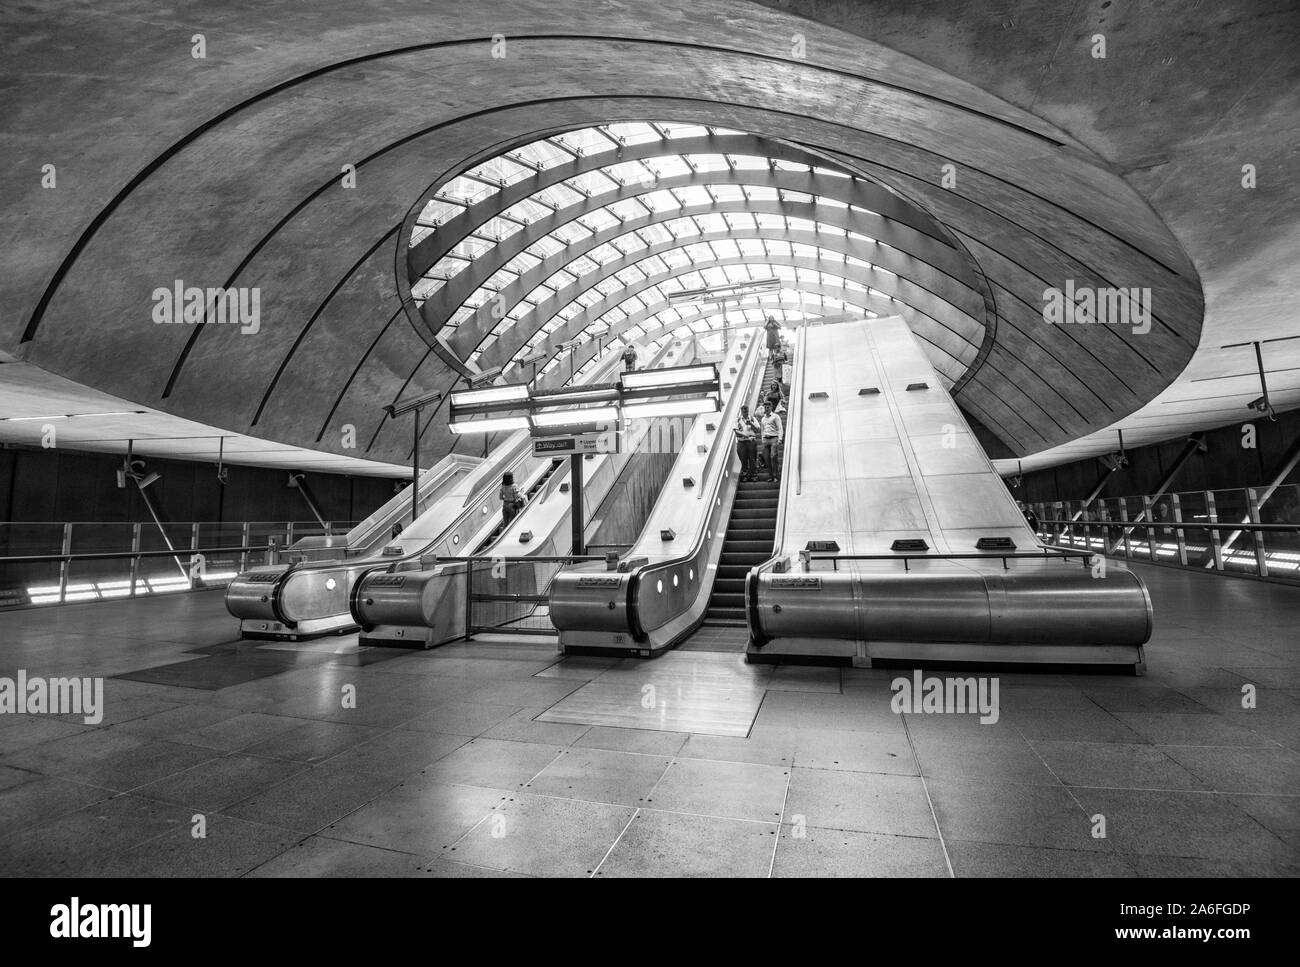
[606, 442]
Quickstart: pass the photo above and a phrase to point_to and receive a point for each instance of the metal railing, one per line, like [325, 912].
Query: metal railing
[1049, 553]
[63, 563]
[512, 593]
[1250, 531]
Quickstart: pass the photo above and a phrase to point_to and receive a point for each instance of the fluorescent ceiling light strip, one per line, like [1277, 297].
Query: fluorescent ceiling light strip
[489, 426]
[641, 411]
[593, 414]
[496, 394]
[668, 377]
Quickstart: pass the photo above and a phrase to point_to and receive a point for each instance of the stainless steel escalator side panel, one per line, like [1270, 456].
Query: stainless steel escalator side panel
[414, 609]
[1053, 605]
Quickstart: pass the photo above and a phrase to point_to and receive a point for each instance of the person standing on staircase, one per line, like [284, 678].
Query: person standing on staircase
[773, 329]
[511, 499]
[772, 431]
[747, 444]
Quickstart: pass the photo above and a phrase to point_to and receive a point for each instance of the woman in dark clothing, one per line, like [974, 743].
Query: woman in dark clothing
[773, 334]
[511, 499]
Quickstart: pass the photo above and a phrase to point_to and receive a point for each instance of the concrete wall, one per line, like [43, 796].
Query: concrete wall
[63, 485]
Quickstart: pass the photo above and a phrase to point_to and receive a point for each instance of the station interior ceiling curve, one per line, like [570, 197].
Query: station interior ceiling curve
[417, 196]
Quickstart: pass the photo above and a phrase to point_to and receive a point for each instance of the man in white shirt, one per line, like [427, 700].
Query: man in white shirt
[771, 430]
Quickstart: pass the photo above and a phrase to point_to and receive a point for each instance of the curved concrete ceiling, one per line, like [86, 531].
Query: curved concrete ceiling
[227, 171]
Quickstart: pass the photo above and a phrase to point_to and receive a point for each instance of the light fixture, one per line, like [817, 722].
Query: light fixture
[687, 407]
[591, 414]
[653, 378]
[497, 394]
[484, 376]
[493, 425]
[417, 403]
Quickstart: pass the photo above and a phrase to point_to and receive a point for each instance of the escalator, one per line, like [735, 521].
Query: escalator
[529, 494]
[750, 532]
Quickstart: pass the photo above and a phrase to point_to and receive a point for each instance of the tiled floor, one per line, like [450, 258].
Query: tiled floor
[495, 759]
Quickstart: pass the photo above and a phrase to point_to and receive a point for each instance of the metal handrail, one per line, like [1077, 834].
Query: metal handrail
[1046, 553]
[109, 555]
[1175, 525]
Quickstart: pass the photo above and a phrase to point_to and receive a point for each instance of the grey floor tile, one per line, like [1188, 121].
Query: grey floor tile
[313, 742]
[659, 844]
[814, 852]
[861, 801]
[420, 817]
[310, 800]
[228, 847]
[987, 860]
[993, 756]
[461, 718]
[43, 799]
[648, 741]
[319, 857]
[1016, 815]
[854, 751]
[153, 760]
[1115, 765]
[734, 790]
[493, 763]
[451, 870]
[398, 754]
[523, 726]
[72, 844]
[544, 837]
[216, 783]
[599, 775]
[1189, 824]
[1273, 771]
[1178, 728]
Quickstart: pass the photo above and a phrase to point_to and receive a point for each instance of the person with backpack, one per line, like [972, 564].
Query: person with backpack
[512, 501]
[629, 358]
[771, 430]
[747, 444]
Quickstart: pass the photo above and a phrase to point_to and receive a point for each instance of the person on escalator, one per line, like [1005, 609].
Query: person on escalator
[511, 499]
[773, 329]
[774, 394]
[747, 444]
[771, 429]
[629, 358]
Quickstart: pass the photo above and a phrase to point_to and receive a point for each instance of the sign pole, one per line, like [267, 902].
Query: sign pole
[575, 496]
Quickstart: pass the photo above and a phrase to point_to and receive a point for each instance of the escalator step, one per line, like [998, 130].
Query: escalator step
[746, 547]
[725, 614]
[728, 601]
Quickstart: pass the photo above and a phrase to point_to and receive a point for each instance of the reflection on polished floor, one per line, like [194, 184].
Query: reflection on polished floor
[495, 758]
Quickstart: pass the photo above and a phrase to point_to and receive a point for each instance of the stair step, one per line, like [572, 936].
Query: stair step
[746, 547]
[725, 614]
[727, 601]
[747, 559]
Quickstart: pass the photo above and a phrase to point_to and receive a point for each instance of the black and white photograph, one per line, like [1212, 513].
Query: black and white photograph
[651, 439]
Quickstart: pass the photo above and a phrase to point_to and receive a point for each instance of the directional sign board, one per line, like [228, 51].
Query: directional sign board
[606, 442]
